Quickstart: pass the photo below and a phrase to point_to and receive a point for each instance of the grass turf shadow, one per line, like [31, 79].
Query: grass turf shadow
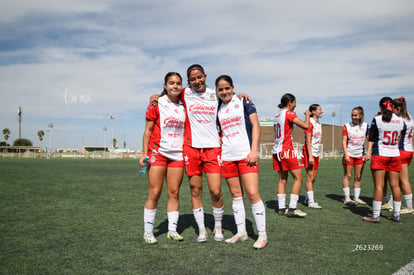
[361, 210]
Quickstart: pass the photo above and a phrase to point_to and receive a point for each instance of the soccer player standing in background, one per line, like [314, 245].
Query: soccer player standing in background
[353, 139]
[311, 152]
[285, 157]
[384, 135]
[406, 152]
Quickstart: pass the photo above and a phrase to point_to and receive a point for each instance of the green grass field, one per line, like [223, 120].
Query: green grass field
[85, 217]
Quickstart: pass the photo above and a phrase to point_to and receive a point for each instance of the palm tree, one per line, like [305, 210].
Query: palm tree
[40, 134]
[6, 133]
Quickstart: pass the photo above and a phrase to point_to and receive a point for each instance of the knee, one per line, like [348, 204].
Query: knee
[196, 191]
[173, 194]
[216, 195]
[154, 195]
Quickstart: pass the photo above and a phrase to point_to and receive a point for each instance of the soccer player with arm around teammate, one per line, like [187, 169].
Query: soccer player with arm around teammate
[353, 139]
[285, 157]
[240, 138]
[311, 152]
[162, 142]
[383, 139]
[406, 152]
[202, 149]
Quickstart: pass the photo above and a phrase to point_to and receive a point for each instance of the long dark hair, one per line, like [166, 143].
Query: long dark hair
[402, 103]
[361, 112]
[386, 106]
[225, 78]
[166, 77]
[313, 107]
[286, 98]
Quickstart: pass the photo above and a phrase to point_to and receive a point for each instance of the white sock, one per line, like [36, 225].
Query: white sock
[309, 194]
[281, 199]
[357, 192]
[397, 208]
[346, 193]
[172, 220]
[218, 217]
[293, 201]
[391, 199]
[259, 214]
[199, 218]
[239, 214]
[409, 200]
[149, 219]
[376, 208]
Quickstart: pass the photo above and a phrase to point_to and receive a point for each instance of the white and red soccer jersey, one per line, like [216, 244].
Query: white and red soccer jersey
[315, 128]
[168, 132]
[201, 111]
[386, 135]
[356, 135]
[236, 128]
[283, 124]
[406, 142]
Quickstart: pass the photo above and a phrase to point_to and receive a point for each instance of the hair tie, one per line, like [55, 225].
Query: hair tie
[402, 100]
[388, 105]
[195, 68]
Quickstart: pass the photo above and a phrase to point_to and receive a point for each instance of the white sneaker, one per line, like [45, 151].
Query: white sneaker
[387, 206]
[202, 237]
[359, 201]
[314, 205]
[173, 235]
[218, 235]
[238, 237]
[260, 243]
[406, 210]
[295, 213]
[349, 202]
[149, 238]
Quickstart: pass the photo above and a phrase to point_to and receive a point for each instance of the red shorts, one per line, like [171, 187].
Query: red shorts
[305, 161]
[285, 161]
[353, 161]
[157, 159]
[386, 163]
[199, 160]
[406, 157]
[236, 168]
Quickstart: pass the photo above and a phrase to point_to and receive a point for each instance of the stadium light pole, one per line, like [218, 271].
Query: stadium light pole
[104, 141]
[112, 117]
[49, 130]
[333, 133]
[19, 113]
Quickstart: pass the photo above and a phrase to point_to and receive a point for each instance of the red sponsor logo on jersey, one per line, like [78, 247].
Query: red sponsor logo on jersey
[173, 122]
[202, 109]
[232, 122]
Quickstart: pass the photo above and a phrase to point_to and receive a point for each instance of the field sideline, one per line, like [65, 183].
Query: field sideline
[85, 217]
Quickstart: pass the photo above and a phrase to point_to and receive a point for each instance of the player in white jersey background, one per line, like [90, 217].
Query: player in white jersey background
[162, 142]
[406, 152]
[384, 135]
[240, 138]
[354, 135]
[311, 152]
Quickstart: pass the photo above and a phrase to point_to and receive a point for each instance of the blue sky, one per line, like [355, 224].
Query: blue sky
[72, 63]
